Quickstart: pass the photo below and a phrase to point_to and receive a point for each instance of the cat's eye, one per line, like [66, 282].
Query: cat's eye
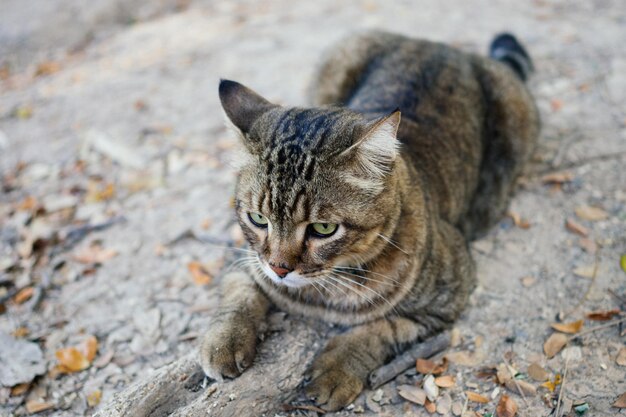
[258, 220]
[322, 229]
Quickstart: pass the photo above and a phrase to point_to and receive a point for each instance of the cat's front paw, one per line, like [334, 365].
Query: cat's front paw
[228, 348]
[337, 377]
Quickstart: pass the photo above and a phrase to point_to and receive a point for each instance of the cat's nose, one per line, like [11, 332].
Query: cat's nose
[280, 271]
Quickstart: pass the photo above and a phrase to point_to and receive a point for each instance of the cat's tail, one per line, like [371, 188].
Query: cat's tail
[507, 49]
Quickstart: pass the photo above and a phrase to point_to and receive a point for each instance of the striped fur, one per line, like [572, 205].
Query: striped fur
[412, 148]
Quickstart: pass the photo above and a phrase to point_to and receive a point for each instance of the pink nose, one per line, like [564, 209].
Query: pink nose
[280, 271]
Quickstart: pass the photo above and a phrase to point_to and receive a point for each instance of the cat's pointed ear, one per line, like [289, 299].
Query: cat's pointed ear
[377, 149]
[242, 105]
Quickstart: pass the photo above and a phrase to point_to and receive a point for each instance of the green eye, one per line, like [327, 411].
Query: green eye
[258, 220]
[322, 229]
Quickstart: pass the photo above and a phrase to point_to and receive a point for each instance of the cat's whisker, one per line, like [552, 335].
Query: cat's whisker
[392, 243]
[334, 285]
[377, 294]
[346, 270]
[338, 279]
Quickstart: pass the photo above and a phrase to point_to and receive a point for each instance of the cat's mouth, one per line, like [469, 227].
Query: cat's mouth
[293, 279]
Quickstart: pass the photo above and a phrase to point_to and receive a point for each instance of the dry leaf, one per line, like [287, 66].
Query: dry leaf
[570, 328]
[591, 213]
[585, 271]
[603, 315]
[412, 393]
[34, 407]
[576, 227]
[28, 204]
[94, 254]
[430, 406]
[518, 220]
[97, 193]
[556, 104]
[93, 399]
[515, 385]
[71, 360]
[24, 295]
[75, 359]
[557, 178]
[551, 385]
[19, 389]
[621, 357]
[621, 401]
[528, 281]
[477, 398]
[464, 358]
[445, 381]
[20, 332]
[622, 262]
[199, 273]
[506, 407]
[503, 374]
[536, 372]
[444, 404]
[554, 344]
[47, 68]
[425, 366]
[432, 390]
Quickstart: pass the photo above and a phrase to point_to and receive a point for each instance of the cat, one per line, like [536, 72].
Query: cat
[359, 209]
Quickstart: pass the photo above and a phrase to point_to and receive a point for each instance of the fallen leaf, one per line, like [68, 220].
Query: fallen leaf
[464, 358]
[576, 227]
[557, 178]
[93, 399]
[554, 344]
[47, 68]
[94, 254]
[430, 406]
[518, 220]
[426, 366]
[503, 374]
[551, 385]
[34, 407]
[28, 204]
[621, 401]
[96, 192]
[24, 295]
[515, 385]
[199, 273]
[444, 404]
[75, 359]
[432, 390]
[587, 271]
[536, 372]
[591, 213]
[20, 332]
[445, 381]
[19, 389]
[506, 407]
[622, 262]
[570, 328]
[621, 357]
[477, 398]
[71, 360]
[412, 393]
[528, 281]
[605, 315]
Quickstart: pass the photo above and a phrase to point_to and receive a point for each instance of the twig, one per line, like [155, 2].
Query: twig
[508, 367]
[594, 276]
[616, 295]
[291, 407]
[558, 401]
[464, 406]
[425, 349]
[600, 327]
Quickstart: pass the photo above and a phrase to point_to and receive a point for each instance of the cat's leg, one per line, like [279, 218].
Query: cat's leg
[229, 345]
[339, 373]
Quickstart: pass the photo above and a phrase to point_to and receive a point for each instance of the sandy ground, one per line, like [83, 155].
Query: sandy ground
[109, 110]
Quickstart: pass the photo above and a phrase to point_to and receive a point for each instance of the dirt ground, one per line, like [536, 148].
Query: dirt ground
[113, 155]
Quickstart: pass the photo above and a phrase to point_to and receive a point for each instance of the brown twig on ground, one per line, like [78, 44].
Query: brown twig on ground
[424, 349]
[558, 401]
[291, 407]
[600, 327]
[519, 389]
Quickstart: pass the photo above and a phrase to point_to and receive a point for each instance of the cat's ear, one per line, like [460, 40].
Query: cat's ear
[242, 105]
[377, 148]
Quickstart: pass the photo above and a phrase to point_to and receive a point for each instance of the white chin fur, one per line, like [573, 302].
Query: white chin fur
[291, 280]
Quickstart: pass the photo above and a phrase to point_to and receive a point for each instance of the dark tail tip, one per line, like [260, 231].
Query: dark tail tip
[507, 49]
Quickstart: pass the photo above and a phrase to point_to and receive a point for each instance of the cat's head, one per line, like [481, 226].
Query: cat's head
[316, 186]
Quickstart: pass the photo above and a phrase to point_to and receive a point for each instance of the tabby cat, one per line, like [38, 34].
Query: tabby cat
[359, 210]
